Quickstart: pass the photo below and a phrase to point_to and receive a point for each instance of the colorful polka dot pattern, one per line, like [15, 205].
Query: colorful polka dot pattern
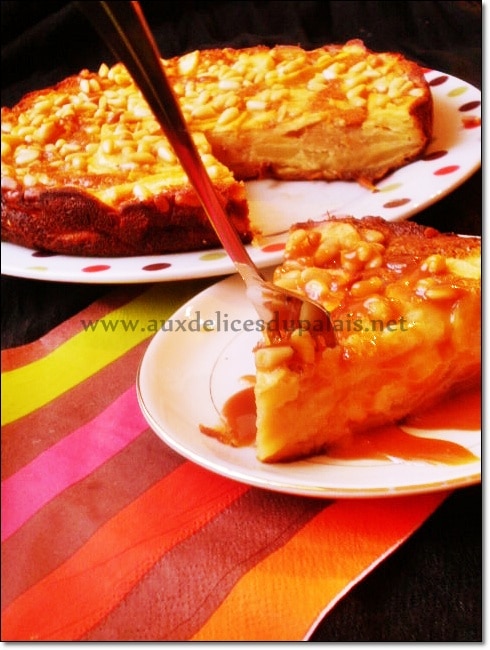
[440, 164]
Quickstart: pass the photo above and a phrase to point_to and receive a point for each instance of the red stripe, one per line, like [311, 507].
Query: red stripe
[80, 511]
[220, 553]
[74, 597]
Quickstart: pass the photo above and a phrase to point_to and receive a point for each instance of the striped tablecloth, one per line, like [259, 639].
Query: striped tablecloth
[107, 534]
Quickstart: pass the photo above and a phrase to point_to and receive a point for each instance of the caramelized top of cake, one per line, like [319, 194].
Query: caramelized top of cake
[376, 277]
[95, 131]
[289, 88]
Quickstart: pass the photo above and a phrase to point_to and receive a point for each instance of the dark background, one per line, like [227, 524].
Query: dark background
[431, 588]
[44, 41]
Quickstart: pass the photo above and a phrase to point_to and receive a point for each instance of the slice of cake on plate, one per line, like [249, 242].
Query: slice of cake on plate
[405, 304]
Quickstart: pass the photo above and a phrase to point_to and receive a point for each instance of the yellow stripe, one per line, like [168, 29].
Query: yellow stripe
[30, 387]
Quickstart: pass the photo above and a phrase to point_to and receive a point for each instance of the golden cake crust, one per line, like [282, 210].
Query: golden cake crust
[86, 169]
[288, 113]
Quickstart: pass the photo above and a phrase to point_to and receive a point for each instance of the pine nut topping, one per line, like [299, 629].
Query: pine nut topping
[367, 275]
[119, 140]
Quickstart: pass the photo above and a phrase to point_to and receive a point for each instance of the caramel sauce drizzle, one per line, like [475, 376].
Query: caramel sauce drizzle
[462, 412]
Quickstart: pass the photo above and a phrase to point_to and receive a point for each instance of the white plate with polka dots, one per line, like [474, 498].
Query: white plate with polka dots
[451, 158]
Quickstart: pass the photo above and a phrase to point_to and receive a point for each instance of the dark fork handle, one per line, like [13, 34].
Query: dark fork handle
[124, 29]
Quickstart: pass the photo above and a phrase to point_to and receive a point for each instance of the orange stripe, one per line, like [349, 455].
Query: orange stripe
[73, 598]
[338, 547]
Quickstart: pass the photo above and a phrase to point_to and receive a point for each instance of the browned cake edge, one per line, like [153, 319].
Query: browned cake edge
[71, 222]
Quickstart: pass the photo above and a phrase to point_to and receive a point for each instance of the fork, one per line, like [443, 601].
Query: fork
[123, 27]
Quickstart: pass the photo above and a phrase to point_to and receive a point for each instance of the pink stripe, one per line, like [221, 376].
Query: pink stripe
[70, 460]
